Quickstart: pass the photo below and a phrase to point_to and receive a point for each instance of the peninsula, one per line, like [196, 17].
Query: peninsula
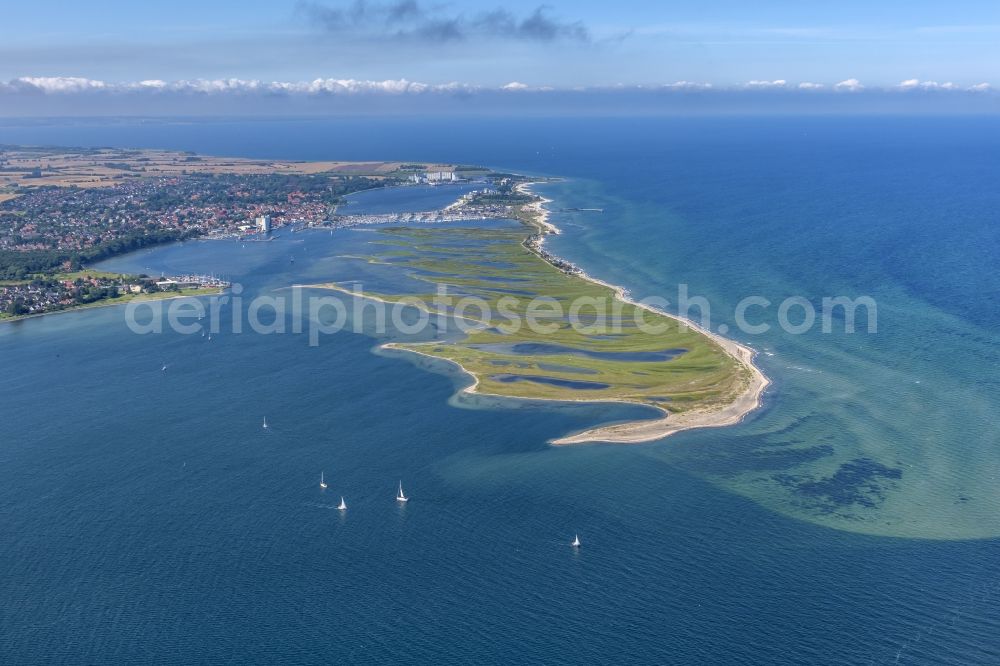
[622, 352]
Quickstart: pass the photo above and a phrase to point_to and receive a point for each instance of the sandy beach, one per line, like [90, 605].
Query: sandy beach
[537, 208]
[645, 431]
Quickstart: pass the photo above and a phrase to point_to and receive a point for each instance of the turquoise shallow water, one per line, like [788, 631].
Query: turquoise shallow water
[147, 516]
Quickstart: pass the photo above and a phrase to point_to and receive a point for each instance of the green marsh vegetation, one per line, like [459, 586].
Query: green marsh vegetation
[535, 331]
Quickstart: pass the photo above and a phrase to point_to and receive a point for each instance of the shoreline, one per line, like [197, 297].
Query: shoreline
[632, 432]
[541, 213]
[99, 304]
[645, 431]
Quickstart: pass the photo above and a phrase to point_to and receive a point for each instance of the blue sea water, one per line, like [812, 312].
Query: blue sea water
[146, 515]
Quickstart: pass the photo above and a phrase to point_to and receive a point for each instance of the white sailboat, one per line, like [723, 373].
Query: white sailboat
[576, 541]
[322, 481]
[400, 497]
[343, 505]
[265, 423]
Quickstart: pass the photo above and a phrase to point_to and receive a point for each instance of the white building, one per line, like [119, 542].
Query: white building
[264, 223]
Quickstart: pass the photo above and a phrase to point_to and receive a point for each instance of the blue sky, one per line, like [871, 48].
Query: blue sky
[724, 44]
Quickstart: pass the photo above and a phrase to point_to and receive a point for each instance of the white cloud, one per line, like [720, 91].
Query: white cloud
[916, 84]
[850, 85]
[63, 85]
[58, 84]
[71, 85]
[686, 85]
[213, 86]
[354, 87]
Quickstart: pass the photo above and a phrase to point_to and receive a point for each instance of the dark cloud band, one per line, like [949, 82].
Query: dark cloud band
[408, 19]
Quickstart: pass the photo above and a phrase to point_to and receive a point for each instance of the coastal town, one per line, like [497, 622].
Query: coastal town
[43, 228]
[42, 295]
[61, 208]
[49, 234]
[64, 209]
